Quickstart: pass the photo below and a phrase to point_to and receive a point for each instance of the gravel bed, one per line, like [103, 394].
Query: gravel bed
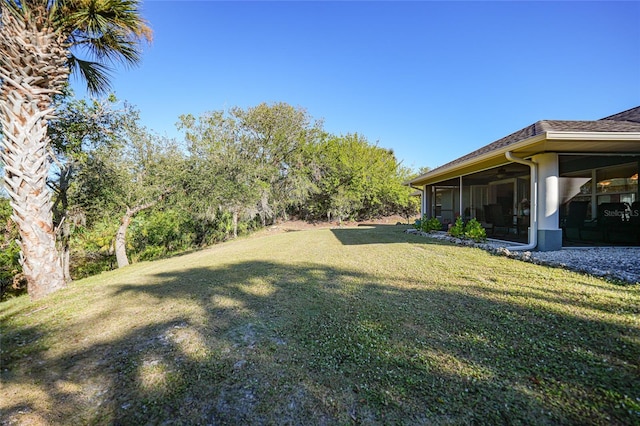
[613, 263]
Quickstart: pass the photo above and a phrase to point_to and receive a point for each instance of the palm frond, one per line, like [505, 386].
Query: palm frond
[108, 30]
[13, 8]
[97, 17]
[102, 32]
[96, 75]
[110, 47]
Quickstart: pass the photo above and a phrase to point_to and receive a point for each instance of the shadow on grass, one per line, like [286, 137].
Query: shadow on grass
[377, 234]
[267, 343]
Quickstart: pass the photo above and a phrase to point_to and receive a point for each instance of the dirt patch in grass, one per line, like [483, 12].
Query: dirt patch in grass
[301, 225]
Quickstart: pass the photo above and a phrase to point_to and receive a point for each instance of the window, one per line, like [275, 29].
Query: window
[618, 184]
[576, 187]
[597, 196]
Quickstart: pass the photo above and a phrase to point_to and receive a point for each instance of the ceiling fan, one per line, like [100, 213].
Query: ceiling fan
[502, 173]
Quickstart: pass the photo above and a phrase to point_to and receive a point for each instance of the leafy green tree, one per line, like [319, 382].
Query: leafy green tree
[339, 178]
[279, 136]
[127, 181]
[159, 232]
[39, 45]
[421, 171]
[250, 162]
[82, 126]
[227, 171]
[357, 179]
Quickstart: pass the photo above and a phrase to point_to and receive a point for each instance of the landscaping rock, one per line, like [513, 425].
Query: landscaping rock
[614, 263]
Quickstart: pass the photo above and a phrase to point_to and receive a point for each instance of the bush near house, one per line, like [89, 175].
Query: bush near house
[472, 230]
[427, 224]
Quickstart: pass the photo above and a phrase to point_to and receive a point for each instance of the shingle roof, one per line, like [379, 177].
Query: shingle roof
[593, 126]
[632, 114]
[626, 121]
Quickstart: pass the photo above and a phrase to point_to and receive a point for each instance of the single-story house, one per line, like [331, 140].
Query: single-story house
[552, 184]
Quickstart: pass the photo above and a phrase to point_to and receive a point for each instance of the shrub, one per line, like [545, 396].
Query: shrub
[92, 248]
[10, 270]
[151, 252]
[11, 283]
[158, 233]
[427, 225]
[474, 230]
[433, 224]
[457, 230]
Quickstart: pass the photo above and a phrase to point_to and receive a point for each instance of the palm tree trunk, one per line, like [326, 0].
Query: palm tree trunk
[32, 68]
[26, 170]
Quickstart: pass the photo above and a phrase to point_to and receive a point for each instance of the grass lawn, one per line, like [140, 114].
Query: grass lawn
[357, 325]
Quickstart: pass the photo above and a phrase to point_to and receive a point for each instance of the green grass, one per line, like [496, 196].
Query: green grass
[364, 325]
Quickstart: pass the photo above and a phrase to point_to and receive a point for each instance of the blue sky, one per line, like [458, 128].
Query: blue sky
[431, 80]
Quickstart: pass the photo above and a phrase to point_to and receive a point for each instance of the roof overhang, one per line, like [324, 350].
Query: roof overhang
[553, 141]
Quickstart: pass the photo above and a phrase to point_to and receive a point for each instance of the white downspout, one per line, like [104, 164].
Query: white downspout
[533, 234]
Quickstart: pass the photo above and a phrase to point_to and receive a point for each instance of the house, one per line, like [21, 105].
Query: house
[552, 184]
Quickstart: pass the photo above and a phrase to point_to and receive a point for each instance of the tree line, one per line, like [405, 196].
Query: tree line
[122, 193]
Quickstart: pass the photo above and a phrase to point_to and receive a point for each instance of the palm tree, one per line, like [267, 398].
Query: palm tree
[40, 41]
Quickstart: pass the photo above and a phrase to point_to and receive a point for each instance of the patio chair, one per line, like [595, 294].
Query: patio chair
[523, 224]
[613, 220]
[495, 216]
[575, 219]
